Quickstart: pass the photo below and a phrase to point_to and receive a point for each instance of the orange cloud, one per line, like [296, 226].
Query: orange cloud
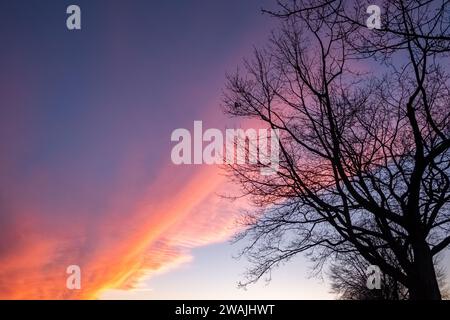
[114, 250]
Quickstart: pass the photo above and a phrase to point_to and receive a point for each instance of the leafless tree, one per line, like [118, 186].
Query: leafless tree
[348, 276]
[363, 120]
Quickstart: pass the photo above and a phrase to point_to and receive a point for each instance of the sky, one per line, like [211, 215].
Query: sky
[86, 177]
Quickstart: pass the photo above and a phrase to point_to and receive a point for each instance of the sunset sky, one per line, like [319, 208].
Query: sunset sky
[86, 177]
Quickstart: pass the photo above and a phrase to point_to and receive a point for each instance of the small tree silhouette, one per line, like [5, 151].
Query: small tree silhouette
[348, 277]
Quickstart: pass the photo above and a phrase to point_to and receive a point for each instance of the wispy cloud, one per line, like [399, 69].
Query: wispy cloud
[116, 249]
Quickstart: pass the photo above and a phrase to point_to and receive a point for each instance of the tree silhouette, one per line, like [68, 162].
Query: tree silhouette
[363, 121]
[349, 274]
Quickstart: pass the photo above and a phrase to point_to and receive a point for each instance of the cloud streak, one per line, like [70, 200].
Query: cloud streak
[117, 248]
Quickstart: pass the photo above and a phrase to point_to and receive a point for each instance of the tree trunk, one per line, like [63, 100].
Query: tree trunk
[423, 282]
